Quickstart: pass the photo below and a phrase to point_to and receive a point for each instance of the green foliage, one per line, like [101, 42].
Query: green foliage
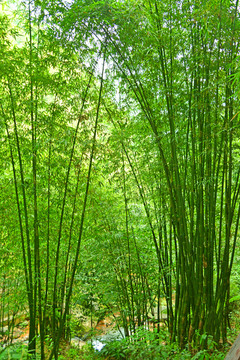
[150, 345]
[234, 298]
[86, 353]
[14, 352]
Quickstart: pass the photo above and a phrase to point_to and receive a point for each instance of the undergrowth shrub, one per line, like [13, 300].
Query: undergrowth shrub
[150, 345]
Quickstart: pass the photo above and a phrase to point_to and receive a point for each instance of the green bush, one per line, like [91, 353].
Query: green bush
[14, 352]
[150, 345]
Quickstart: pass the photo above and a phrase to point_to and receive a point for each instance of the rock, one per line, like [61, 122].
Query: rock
[76, 341]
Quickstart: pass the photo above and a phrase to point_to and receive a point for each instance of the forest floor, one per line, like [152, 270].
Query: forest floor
[81, 345]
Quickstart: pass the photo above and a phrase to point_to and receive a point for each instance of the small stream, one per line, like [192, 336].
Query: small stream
[99, 341]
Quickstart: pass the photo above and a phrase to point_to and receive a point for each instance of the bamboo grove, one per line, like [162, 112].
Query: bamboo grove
[177, 61]
[32, 101]
[155, 127]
